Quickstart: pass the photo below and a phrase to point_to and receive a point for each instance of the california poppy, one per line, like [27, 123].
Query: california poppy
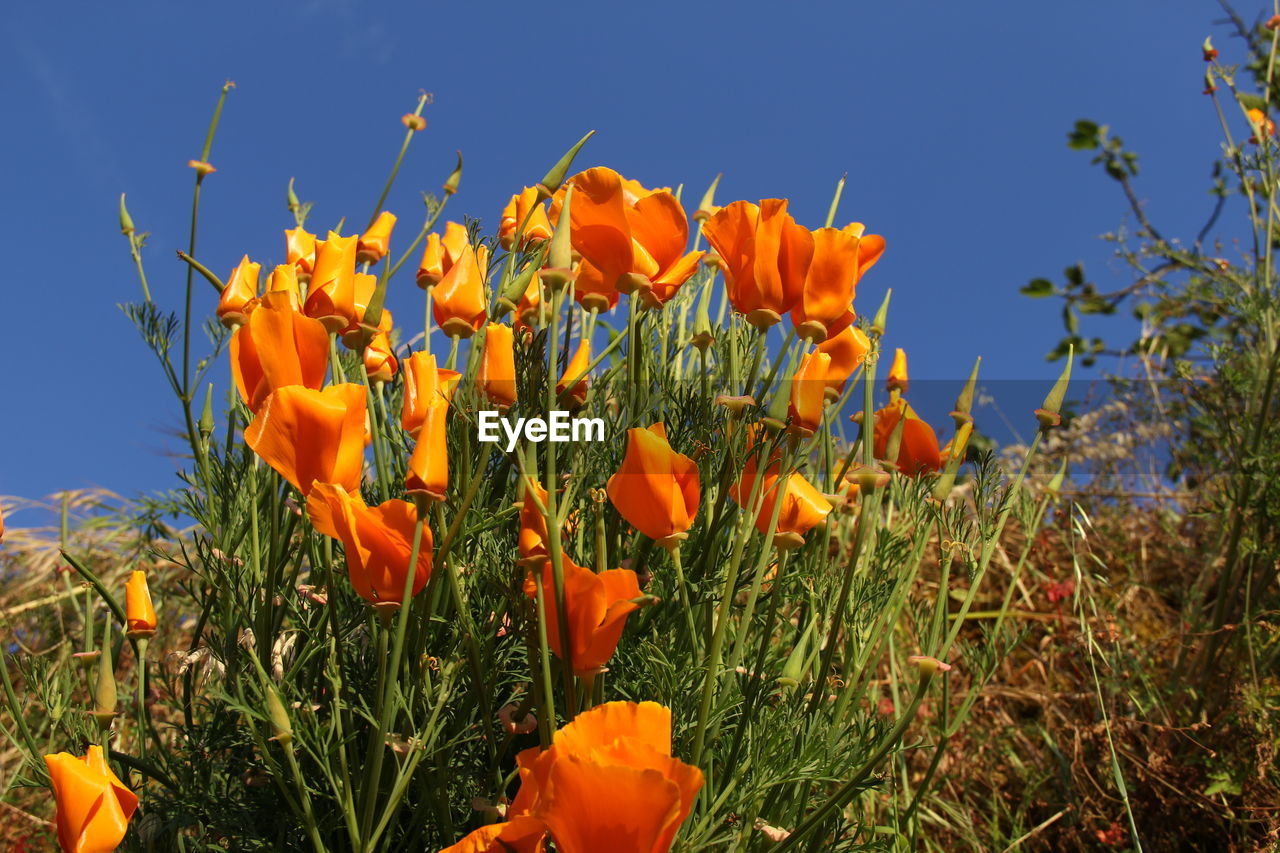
[378, 541]
[847, 349]
[918, 447]
[518, 835]
[496, 377]
[379, 360]
[374, 242]
[634, 242]
[331, 294]
[840, 256]
[279, 346]
[284, 279]
[441, 253]
[597, 606]
[809, 392]
[428, 472]
[140, 614]
[524, 209]
[354, 334]
[577, 367]
[300, 251]
[898, 371]
[240, 293]
[533, 524]
[765, 257]
[308, 435]
[94, 806]
[424, 385]
[803, 506]
[460, 305]
[655, 489]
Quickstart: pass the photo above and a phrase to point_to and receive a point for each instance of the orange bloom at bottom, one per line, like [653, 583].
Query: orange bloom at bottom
[597, 606]
[607, 783]
[94, 806]
[918, 448]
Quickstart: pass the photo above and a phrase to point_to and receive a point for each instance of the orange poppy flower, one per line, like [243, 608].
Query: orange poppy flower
[898, 371]
[374, 242]
[428, 472]
[590, 289]
[308, 435]
[378, 541]
[577, 366]
[803, 506]
[609, 775]
[634, 242]
[1260, 124]
[240, 293]
[536, 229]
[840, 257]
[496, 377]
[442, 253]
[533, 524]
[460, 306]
[424, 385]
[331, 295]
[531, 310]
[764, 255]
[596, 605]
[94, 806]
[279, 346]
[655, 489]
[284, 279]
[809, 392]
[379, 360]
[518, 835]
[300, 250]
[140, 614]
[353, 334]
[847, 349]
[918, 449]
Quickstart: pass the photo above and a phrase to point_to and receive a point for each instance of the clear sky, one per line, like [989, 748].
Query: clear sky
[949, 117]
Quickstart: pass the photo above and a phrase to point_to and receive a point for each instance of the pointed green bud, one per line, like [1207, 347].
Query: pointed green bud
[706, 207]
[775, 418]
[1055, 483]
[291, 199]
[964, 403]
[793, 671]
[206, 415]
[703, 337]
[1049, 414]
[510, 296]
[554, 178]
[455, 178]
[559, 269]
[882, 315]
[835, 199]
[126, 221]
[279, 717]
[104, 696]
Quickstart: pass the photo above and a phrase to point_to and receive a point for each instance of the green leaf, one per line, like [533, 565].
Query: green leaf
[1074, 274]
[1037, 288]
[1251, 102]
[1084, 136]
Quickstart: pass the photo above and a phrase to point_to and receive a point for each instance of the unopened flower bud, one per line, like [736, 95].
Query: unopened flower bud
[455, 178]
[1049, 415]
[279, 717]
[413, 122]
[882, 314]
[126, 221]
[553, 179]
[1209, 51]
[707, 207]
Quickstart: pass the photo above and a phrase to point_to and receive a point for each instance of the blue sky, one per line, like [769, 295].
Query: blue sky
[950, 119]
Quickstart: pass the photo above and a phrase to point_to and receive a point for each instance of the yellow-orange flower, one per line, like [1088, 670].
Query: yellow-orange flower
[331, 296]
[609, 775]
[279, 346]
[496, 377]
[374, 242]
[533, 524]
[898, 371]
[424, 385]
[518, 835]
[441, 254]
[840, 257]
[764, 255]
[918, 448]
[531, 310]
[378, 541]
[300, 250]
[240, 293]
[655, 489]
[379, 360]
[632, 242]
[847, 350]
[460, 306]
[428, 473]
[803, 506]
[308, 435]
[576, 398]
[284, 279]
[94, 806]
[140, 614]
[596, 605]
[536, 229]
[1259, 122]
[809, 392]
